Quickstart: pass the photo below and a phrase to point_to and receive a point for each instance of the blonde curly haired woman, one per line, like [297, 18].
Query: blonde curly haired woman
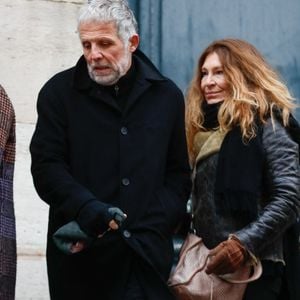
[242, 144]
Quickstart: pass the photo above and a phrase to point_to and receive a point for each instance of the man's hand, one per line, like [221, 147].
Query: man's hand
[97, 217]
[227, 257]
[118, 218]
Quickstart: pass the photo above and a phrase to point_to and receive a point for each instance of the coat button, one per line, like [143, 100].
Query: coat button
[126, 234]
[125, 181]
[124, 130]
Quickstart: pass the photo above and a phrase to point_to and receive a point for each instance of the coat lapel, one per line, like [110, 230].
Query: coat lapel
[139, 87]
[147, 75]
[104, 97]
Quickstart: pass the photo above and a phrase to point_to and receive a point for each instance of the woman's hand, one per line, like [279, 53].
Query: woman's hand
[227, 257]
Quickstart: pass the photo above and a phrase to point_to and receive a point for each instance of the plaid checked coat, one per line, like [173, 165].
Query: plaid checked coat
[7, 217]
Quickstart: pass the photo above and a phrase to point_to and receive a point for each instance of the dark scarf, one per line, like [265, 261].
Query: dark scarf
[210, 115]
[239, 173]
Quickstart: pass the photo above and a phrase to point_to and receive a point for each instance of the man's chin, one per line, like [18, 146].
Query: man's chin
[105, 80]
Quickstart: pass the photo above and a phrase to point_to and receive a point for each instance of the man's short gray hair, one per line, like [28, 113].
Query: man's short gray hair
[116, 11]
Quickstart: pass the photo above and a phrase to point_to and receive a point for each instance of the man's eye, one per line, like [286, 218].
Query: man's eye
[105, 43]
[86, 45]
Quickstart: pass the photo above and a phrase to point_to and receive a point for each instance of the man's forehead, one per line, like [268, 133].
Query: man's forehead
[100, 26]
[98, 29]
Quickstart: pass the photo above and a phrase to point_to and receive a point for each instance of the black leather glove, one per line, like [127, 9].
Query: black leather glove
[93, 218]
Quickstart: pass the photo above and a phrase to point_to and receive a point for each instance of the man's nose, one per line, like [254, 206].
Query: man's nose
[96, 53]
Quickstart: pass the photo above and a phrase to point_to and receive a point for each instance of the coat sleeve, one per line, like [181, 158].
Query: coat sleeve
[176, 190]
[7, 129]
[49, 152]
[283, 186]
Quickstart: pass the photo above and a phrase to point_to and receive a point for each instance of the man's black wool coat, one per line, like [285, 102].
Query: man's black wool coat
[84, 147]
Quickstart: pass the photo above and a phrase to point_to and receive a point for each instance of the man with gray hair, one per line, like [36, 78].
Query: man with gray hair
[109, 152]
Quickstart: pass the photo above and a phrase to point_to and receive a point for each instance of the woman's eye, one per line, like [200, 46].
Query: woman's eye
[203, 74]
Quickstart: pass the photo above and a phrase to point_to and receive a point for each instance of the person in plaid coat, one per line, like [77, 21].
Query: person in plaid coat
[7, 216]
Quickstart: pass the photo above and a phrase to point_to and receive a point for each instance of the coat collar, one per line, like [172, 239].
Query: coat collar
[146, 75]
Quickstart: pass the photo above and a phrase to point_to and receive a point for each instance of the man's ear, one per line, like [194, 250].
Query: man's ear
[134, 42]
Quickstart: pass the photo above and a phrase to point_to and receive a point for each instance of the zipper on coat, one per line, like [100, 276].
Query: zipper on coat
[117, 90]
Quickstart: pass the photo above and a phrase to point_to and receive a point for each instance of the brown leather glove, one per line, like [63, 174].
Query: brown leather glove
[227, 257]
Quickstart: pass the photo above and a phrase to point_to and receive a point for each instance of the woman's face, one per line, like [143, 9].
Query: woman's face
[213, 84]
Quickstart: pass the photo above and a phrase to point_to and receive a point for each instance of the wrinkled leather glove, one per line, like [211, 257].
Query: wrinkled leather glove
[94, 217]
[227, 257]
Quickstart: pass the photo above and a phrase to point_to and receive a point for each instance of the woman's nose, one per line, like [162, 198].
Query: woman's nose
[212, 79]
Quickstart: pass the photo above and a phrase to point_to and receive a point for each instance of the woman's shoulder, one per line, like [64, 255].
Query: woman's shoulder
[275, 126]
[278, 137]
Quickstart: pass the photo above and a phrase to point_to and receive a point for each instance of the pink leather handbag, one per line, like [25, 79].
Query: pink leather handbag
[190, 282]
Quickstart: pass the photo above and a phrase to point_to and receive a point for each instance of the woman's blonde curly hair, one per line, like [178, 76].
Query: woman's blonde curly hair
[255, 90]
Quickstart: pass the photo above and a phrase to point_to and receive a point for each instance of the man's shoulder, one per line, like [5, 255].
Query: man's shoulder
[169, 87]
[171, 84]
[60, 82]
[62, 77]
[150, 72]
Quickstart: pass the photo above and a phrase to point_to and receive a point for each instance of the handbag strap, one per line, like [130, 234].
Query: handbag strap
[257, 271]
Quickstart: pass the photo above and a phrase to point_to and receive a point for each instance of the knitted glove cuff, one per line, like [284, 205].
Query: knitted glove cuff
[93, 217]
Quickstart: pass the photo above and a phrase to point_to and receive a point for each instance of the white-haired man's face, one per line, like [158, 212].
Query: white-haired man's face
[108, 57]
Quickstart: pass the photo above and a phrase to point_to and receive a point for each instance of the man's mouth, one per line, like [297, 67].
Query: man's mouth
[101, 69]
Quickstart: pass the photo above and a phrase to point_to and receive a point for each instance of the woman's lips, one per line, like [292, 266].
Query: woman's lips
[211, 95]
